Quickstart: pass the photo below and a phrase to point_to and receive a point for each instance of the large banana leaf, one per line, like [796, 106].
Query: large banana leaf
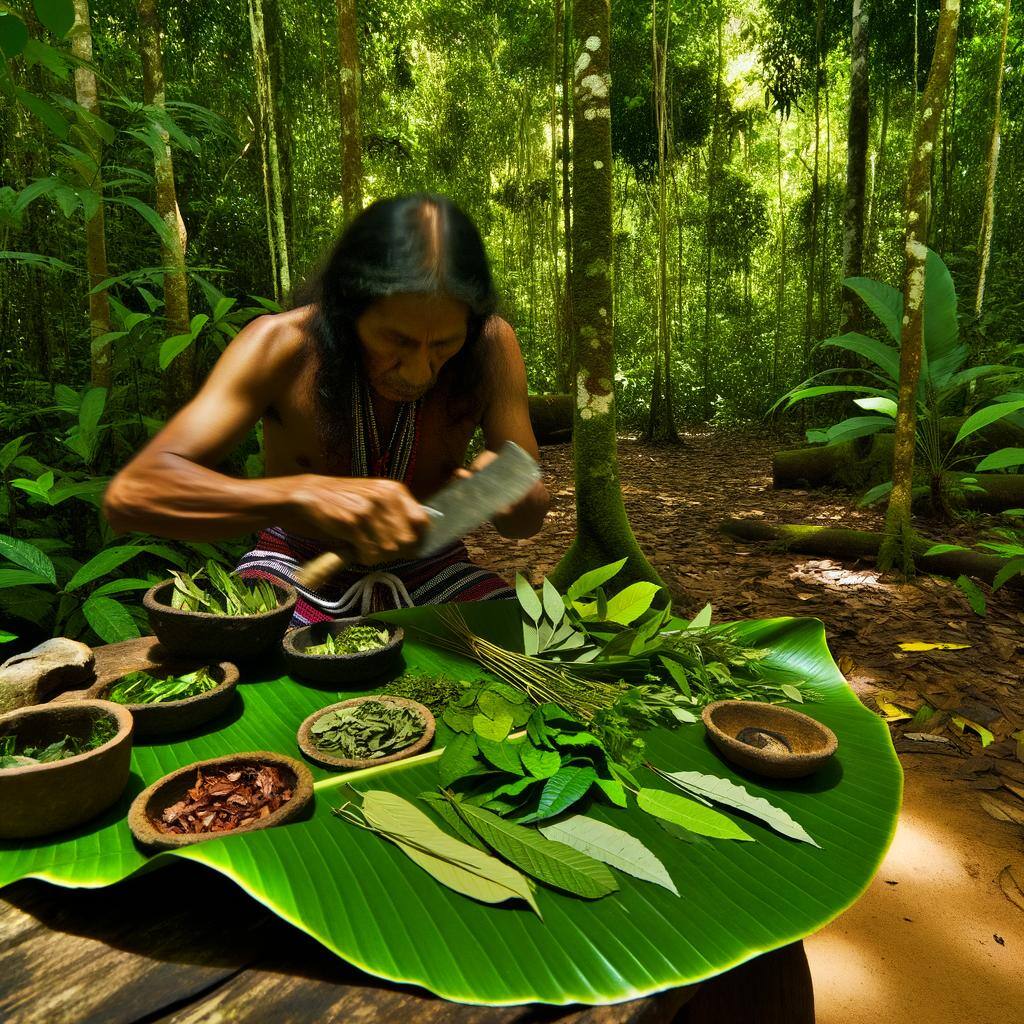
[363, 899]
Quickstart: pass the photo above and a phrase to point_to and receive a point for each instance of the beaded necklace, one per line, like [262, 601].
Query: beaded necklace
[398, 458]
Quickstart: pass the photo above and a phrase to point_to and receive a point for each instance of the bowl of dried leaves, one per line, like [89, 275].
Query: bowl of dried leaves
[173, 697]
[767, 739]
[61, 764]
[220, 796]
[345, 652]
[366, 731]
[216, 614]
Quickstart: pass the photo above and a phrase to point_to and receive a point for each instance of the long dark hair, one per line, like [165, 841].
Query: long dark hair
[414, 244]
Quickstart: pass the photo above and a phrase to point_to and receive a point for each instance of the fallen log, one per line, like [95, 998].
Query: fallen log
[853, 545]
[1000, 491]
[551, 418]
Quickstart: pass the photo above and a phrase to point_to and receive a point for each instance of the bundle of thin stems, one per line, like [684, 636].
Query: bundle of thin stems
[540, 680]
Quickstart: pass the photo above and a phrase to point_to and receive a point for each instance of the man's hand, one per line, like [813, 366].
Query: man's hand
[524, 518]
[373, 520]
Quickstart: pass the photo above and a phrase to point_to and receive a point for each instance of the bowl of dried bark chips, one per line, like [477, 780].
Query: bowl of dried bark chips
[366, 731]
[221, 796]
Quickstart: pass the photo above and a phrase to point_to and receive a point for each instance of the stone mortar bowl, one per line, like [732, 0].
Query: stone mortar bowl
[204, 635]
[38, 800]
[154, 799]
[810, 744]
[326, 759]
[173, 716]
[345, 671]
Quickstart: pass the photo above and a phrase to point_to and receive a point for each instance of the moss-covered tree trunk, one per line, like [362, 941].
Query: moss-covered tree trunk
[269, 152]
[349, 84]
[988, 210]
[603, 531]
[568, 325]
[87, 95]
[897, 548]
[856, 165]
[179, 377]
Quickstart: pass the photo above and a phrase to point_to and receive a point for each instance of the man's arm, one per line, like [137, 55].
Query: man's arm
[506, 417]
[170, 488]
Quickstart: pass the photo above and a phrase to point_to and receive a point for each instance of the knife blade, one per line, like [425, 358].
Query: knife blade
[454, 511]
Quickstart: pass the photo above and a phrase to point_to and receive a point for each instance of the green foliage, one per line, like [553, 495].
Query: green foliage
[15, 755]
[145, 688]
[353, 640]
[227, 593]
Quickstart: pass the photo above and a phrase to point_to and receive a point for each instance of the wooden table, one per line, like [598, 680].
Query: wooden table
[182, 944]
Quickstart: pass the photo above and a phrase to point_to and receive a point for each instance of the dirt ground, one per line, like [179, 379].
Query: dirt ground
[939, 935]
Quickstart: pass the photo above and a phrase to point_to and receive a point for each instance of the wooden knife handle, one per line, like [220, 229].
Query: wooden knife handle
[317, 571]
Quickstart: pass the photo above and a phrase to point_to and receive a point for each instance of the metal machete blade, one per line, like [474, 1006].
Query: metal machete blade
[464, 504]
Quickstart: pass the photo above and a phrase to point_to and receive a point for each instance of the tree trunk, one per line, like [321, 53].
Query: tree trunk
[988, 211]
[853, 545]
[708, 225]
[568, 320]
[275, 197]
[812, 247]
[897, 549]
[279, 95]
[661, 421]
[877, 179]
[603, 530]
[856, 166]
[179, 377]
[350, 82]
[780, 294]
[87, 94]
[554, 210]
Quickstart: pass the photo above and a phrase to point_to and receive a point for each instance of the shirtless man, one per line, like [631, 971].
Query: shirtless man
[369, 396]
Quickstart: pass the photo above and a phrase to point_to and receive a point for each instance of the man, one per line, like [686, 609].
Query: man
[369, 395]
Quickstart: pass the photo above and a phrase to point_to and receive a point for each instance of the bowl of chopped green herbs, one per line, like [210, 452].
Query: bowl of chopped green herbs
[216, 614]
[173, 697]
[365, 731]
[61, 764]
[345, 652]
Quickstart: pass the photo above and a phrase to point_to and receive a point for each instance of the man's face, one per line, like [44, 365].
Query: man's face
[406, 339]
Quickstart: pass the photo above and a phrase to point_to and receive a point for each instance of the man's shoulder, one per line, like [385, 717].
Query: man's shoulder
[280, 341]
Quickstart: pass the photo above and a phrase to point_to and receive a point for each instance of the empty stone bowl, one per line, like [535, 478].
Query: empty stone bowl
[326, 759]
[167, 717]
[204, 635]
[155, 799]
[767, 739]
[344, 671]
[38, 800]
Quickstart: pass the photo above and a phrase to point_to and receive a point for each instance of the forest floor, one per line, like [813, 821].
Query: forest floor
[939, 934]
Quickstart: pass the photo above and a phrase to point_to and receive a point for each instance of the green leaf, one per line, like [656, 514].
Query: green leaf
[792, 693]
[554, 606]
[943, 353]
[885, 357]
[987, 416]
[1005, 458]
[590, 581]
[46, 113]
[503, 755]
[875, 494]
[883, 300]
[942, 549]
[702, 619]
[561, 791]
[975, 597]
[552, 863]
[444, 810]
[56, 15]
[541, 764]
[6, 637]
[857, 426]
[99, 565]
[731, 794]
[19, 578]
[452, 862]
[611, 846]
[172, 347]
[28, 557]
[628, 605]
[13, 34]
[528, 599]
[1014, 567]
[493, 729]
[613, 789]
[886, 406]
[110, 620]
[690, 815]
[148, 214]
[459, 759]
[123, 585]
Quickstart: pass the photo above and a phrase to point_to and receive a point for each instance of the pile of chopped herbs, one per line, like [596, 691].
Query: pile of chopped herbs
[227, 594]
[353, 640]
[434, 692]
[14, 756]
[367, 730]
[222, 800]
[144, 688]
